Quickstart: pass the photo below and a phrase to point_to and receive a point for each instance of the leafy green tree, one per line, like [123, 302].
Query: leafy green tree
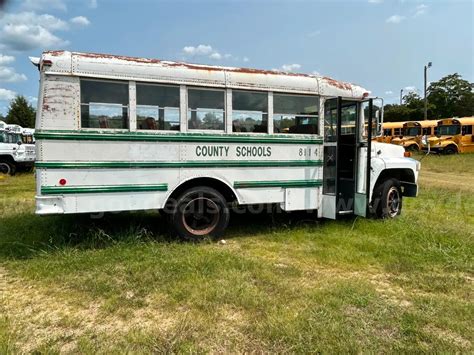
[21, 113]
[397, 113]
[452, 96]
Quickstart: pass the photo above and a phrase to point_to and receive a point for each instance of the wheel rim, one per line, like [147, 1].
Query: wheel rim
[4, 169]
[393, 202]
[200, 216]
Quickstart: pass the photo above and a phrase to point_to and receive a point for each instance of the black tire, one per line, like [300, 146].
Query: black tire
[6, 168]
[450, 149]
[387, 200]
[412, 148]
[200, 212]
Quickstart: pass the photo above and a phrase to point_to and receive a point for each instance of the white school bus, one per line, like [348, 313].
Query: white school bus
[117, 133]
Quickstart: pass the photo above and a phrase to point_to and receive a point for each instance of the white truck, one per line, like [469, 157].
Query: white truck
[17, 148]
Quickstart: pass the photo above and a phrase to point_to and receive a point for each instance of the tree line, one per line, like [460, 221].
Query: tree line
[451, 96]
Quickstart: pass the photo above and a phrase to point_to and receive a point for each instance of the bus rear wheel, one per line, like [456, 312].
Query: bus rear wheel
[200, 212]
[387, 201]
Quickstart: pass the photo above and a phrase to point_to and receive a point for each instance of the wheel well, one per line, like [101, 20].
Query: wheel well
[452, 145]
[7, 158]
[216, 184]
[406, 175]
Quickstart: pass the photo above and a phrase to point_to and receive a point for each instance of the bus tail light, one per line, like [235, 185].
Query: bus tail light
[407, 154]
[62, 182]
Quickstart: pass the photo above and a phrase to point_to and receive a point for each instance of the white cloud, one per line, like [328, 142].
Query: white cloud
[375, 1]
[28, 30]
[7, 95]
[314, 33]
[389, 92]
[420, 10]
[409, 88]
[290, 67]
[80, 21]
[395, 19]
[206, 50]
[9, 75]
[315, 72]
[246, 59]
[6, 59]
[216, 56]
[202, 49]
[44, 5]
[93, 4]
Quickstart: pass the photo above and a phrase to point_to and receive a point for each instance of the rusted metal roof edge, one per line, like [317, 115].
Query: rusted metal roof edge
[318, 80]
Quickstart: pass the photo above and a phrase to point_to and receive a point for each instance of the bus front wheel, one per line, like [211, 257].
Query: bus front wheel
[387, 200]
[450, 149]
[200, 212]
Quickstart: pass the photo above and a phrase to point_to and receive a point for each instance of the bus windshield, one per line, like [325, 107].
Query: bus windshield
[411, 131]
[447, 130]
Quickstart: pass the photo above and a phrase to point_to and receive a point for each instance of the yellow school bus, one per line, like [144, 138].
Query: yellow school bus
[412, 133]
[454, 135]
[390, 131]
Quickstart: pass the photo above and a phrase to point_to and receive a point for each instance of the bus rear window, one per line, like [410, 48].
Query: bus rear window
[104, 104]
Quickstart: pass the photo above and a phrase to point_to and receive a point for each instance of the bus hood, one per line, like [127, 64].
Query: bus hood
[386, 150]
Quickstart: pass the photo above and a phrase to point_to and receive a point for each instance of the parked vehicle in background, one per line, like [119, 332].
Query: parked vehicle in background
[17, 148]
[454, 135]
[119, 133]
[412, 133]
[390, 130]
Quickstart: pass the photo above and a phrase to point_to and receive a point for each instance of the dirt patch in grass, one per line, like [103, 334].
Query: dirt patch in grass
[48, 315]
[449, 336]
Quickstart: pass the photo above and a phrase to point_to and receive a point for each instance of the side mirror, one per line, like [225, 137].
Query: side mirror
[424, 140]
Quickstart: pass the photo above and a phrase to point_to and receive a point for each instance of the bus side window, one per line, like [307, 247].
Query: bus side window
[397, 131]
[387, 132]
[295, 114]
[104, 104]
[466, 130]
[249, 111]
[206, 109]
[157, 107]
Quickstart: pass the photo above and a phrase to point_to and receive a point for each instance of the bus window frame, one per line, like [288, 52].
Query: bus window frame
[317, 115]
[164, 131]
[194, 130]
[118, 130]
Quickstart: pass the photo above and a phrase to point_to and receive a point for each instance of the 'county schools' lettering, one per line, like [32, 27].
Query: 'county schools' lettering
[240, 151]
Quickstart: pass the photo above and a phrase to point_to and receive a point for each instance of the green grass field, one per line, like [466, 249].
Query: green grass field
[285, 284]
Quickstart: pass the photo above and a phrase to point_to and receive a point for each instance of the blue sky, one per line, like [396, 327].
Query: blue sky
[379, 44]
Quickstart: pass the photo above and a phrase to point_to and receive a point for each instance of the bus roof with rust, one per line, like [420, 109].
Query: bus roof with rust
[108, 66]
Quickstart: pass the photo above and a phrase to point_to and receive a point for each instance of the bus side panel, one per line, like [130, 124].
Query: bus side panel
[59, 107]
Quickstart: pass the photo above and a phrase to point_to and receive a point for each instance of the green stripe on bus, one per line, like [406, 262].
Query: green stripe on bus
[277, 183]
[184, 164]
[179, 137]
[59, 190]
